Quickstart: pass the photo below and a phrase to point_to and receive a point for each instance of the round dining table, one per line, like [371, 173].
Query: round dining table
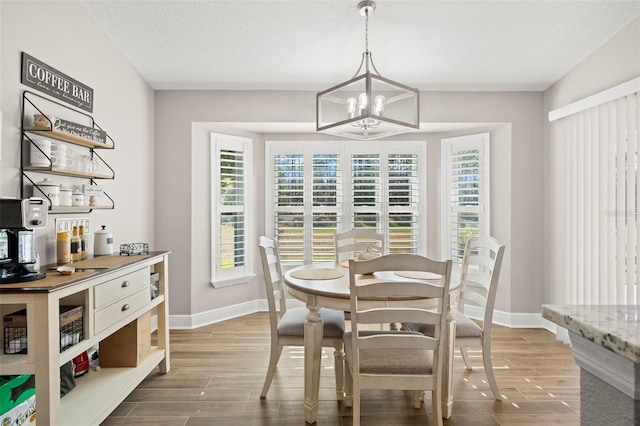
[326, 285]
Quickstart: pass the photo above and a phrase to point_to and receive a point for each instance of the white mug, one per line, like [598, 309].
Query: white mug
[61, 155]
[40, 157]
[61, 162]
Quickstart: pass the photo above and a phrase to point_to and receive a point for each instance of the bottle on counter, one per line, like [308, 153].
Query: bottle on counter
[63, 241]
[75, 245]
[83, 243]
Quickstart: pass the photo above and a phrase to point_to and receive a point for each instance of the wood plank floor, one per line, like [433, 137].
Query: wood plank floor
[217, 373]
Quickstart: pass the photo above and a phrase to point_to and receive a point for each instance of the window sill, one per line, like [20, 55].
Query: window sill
[232, 281]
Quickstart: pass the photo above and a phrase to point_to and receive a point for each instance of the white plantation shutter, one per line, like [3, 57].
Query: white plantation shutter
[594, 187]
[288, 199]
[385, 190]
[327, 200]
[365, 192]
[318, 190]
[466, 192]
[403, 185]
[230, 197]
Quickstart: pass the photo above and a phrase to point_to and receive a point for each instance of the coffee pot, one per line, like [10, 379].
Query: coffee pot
[18, 220]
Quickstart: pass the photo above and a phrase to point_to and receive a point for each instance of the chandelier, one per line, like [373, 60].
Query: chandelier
[368, 106]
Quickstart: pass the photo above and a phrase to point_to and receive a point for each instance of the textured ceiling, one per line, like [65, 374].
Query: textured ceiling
[311, 45]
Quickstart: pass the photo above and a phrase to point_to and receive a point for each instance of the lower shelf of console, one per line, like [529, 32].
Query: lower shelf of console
[98, 393]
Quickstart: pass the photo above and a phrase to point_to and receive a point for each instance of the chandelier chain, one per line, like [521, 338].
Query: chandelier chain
[366, 30]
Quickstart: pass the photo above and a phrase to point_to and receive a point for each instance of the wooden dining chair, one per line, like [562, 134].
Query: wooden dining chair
[480, 272]
[400, 360]
[349, 244]
[287, 325]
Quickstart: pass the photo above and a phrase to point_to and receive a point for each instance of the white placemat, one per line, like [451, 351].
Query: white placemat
[418, 275]
[317, 274]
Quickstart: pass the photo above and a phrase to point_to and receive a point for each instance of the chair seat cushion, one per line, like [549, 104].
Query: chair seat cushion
[292, 322]
[390, 361]
[465, 327]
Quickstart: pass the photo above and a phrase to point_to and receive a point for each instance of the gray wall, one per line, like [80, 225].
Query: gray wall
[182, 217]
[616, 62]
[64, 36]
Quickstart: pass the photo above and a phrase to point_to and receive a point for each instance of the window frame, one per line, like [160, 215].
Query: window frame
[222, 277]
[345, 149]
[482, 142]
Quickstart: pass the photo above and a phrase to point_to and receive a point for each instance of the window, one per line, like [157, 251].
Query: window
[465, 168]
[315, 190]
[230, 207]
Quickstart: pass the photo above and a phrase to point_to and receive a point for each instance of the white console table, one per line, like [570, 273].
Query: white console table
[114, 291]
[606, 345]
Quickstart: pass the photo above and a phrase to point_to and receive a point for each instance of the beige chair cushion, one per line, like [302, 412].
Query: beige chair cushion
[465, 327]
[391, 361]
[292, 322]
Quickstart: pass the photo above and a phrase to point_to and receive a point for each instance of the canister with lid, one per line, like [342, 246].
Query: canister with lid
[78, 198]
[50, 189]
[66, 196]
[103, 242]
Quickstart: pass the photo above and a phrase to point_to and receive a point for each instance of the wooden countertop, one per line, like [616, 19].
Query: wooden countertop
[85, 269]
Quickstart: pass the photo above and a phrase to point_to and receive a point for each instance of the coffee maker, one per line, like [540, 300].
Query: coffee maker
[18, 220]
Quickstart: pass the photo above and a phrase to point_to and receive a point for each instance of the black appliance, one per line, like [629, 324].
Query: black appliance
[18, 220]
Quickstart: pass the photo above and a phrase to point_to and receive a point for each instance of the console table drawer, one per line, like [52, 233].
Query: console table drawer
[115, 289]
[110, 315]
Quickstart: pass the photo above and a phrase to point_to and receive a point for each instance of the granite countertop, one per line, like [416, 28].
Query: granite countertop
[614, 327]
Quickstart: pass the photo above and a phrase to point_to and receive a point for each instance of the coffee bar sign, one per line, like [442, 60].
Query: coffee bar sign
[42, 77]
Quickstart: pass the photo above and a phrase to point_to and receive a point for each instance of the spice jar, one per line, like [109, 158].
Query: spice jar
[63, 241]
[83, 243]
[78, 199]
[75, 245]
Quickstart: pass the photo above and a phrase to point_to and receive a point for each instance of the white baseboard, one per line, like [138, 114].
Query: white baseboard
[188, 322]
[507, 319]
[511, 320]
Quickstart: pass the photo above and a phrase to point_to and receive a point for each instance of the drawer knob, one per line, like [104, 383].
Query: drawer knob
[125, 307]
[125, 284]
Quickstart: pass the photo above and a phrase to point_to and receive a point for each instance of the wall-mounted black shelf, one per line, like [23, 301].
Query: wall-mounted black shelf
[34, 102]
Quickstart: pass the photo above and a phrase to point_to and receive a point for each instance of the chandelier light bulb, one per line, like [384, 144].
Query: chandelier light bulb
[351, 107]
[362, 103]
[379, 105]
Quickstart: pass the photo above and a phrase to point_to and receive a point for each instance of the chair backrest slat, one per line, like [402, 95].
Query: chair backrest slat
[382, 315]
[273, 279]
[397, 341]
[397, 290]
[350, 243]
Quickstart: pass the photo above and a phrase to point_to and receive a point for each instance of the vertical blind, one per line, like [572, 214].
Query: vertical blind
[594, 229]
